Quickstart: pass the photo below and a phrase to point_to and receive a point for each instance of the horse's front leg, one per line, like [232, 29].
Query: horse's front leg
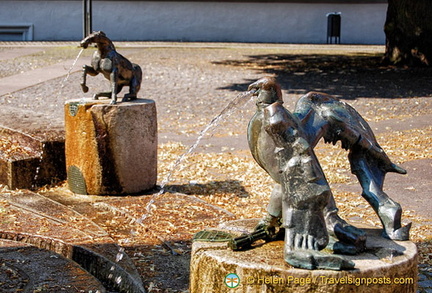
[114, 85]
[87, 70]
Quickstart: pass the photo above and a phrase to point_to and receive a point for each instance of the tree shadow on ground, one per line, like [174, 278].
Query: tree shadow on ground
[347, 76]
[210, 188]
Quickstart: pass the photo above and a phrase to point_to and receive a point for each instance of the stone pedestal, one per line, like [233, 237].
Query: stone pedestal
[386, 266]
[111, 149]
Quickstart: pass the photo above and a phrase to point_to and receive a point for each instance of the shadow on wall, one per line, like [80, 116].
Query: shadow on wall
[347, 76]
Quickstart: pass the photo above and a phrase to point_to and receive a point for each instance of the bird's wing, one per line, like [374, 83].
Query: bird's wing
[341, 122]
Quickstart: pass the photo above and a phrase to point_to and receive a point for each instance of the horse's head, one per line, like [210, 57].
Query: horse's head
[95, 37]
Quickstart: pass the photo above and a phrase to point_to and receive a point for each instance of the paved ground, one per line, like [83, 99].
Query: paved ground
[191, 83]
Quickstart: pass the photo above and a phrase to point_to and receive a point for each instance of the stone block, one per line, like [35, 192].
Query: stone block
[21, 173]
[386, 266]
[31, 149]
[111, 149]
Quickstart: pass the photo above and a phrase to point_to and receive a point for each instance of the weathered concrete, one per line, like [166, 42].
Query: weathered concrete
[111, 149]
[38, 149]
[49, 225]
[386, 266]
[20, 271]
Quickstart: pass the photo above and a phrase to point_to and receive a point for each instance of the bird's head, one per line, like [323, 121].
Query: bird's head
[267, 90]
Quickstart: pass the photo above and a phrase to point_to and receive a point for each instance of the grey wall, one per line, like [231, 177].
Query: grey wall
[52, 20]
[199, 21]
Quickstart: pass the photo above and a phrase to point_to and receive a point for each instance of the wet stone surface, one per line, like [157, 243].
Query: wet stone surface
[383, 258]
[425, 279]
[26, 268]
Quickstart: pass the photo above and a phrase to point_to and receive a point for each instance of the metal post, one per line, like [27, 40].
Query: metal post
[84, 18]
[87, 17]
[90, 17]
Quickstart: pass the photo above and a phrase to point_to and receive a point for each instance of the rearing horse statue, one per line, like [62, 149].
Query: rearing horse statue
[114, 67]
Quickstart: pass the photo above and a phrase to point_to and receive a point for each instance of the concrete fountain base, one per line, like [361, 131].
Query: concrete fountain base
[111, 149]
[74, 252]
[21, 271]
[386, 266]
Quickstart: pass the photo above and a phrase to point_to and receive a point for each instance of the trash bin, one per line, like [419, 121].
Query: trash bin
[333, 27]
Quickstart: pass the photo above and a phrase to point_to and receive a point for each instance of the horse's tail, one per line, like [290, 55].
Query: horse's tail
[137, 72]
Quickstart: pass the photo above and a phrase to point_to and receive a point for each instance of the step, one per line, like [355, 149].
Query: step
[30, 218]
[31, 149]
[21, 271]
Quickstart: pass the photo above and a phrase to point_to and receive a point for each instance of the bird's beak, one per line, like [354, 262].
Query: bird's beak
[254, 92]
[254, 88]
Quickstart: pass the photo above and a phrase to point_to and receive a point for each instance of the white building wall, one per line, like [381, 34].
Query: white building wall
[52, 20]
[200, 21]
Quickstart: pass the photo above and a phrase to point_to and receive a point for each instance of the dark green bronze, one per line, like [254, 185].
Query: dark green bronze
[282, 143]
[246, 240]
[76, 180]
[212, 236]
[114, 67]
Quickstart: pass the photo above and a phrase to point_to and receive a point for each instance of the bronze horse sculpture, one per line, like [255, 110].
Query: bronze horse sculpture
[114, 67]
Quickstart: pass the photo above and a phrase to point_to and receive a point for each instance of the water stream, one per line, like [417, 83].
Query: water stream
[236, 103]
[239, 101]
[62, 85]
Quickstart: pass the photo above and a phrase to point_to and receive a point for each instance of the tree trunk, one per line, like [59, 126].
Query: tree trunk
[408, 30]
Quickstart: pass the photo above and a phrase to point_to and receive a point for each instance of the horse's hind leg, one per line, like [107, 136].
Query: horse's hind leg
[134, 87]
[108, 94]
[132, 95]
[117, 89]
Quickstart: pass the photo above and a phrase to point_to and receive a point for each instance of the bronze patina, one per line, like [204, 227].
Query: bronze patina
[301, 202]
[114, 67]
